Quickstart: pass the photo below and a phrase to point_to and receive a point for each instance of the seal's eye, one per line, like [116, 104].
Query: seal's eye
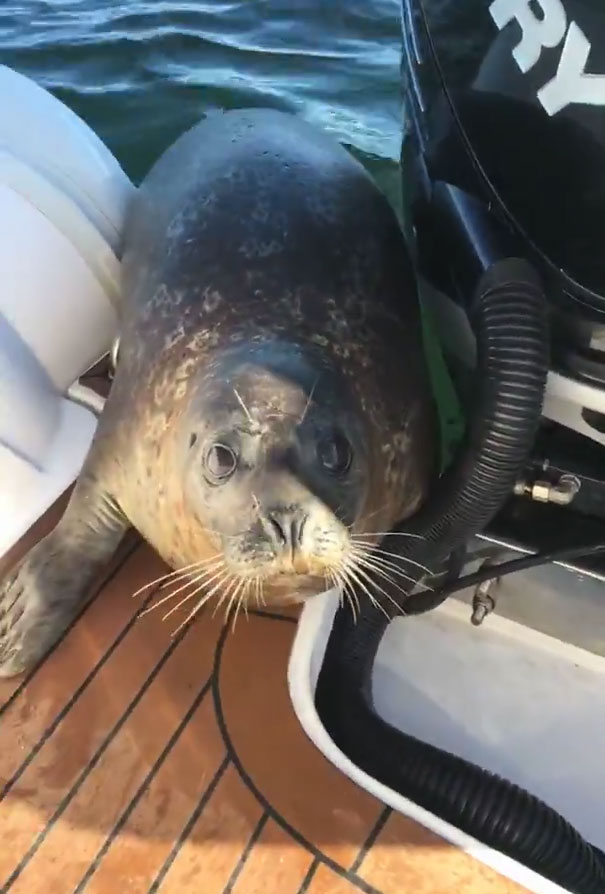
[335, 454]
[221, 462]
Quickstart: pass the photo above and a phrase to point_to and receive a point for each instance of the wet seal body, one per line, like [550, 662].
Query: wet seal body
[271, 408]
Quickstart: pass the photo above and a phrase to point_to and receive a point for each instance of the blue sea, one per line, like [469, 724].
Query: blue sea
[142, 71]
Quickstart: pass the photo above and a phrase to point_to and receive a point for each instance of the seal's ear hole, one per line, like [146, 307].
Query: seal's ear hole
[192, 440]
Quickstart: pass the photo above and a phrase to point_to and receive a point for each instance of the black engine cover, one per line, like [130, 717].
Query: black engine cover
[505, 102]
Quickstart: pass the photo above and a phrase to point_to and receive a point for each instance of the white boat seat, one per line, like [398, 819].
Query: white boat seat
[48, 137]
[63, 199]
[62, 307]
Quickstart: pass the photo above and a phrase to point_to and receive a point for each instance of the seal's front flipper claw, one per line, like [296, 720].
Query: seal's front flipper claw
[41, 596]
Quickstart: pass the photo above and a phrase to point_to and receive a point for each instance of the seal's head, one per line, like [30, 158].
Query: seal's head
[276, 468]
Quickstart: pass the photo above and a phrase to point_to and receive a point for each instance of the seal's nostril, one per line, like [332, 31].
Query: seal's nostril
[287, 528]
[279, 530]
[298, 526]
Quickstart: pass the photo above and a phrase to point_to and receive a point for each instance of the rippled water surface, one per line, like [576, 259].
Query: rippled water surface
[141, 71]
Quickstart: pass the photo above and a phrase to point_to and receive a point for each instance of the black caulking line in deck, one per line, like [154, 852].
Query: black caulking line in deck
[74, 697]
[107, 579]
[371, 839]
[272, 616]
[143, 788]
[65, 801]
[273, 814]
[188, 827]
[308, 877]
[246, 853]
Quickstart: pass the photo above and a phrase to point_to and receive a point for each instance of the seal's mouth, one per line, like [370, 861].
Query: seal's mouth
[298, 581]
[291, 589]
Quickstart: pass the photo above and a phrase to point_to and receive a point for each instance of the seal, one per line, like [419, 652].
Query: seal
[271, 413]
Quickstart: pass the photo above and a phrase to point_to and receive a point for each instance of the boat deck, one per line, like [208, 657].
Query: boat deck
[136, 761]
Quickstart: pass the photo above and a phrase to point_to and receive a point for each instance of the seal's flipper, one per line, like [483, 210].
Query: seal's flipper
[43, 593]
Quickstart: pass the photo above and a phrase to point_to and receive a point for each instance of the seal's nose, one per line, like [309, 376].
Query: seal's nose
[286, 528]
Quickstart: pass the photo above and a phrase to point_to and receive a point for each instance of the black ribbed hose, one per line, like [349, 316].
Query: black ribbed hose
[510, 325]
[490, 809]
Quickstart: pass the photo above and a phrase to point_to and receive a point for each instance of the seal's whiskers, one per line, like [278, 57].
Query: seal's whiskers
[261, 591]
[242, 601]
[352, 596]
[200, 578]
[356, 575]
[232, 583]
[357, 572]
[177, 571]
[234, 601]
[383, 552]
[219, 576]
[210, 566]
[184, 600]
[386, 570]
[361, 562]
[308, 403]
[342, 585]
[194, 611]
[353, 579]
[243, 405]
[364, 541]
[380, 565]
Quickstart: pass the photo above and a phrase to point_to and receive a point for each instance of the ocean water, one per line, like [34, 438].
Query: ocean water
[142, 71]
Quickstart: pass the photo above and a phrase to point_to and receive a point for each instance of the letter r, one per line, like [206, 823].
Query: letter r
[537, 32]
